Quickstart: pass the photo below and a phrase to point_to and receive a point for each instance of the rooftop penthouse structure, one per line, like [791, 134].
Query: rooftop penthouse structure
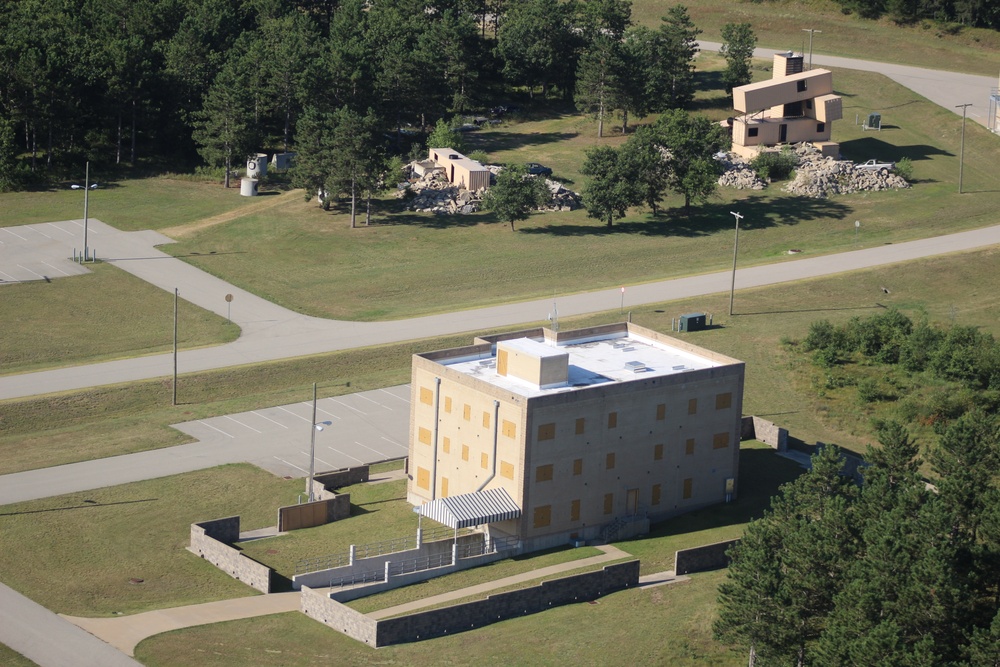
[573, 435]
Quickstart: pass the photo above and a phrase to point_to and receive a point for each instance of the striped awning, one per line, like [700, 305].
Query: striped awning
[472, 509]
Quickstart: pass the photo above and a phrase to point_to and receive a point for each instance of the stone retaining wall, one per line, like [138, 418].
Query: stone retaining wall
[755, 428]
[703, 558]
[340, 478]
[211, 540]
[340, 617]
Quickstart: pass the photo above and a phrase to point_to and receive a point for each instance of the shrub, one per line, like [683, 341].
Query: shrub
[820, 335]
[480, 156]
[869, 391]
[776, 166]
[904, 168]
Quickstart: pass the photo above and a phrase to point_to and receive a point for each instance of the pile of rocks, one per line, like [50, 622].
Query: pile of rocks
[433, 193]
[738, 173]
[819, 176]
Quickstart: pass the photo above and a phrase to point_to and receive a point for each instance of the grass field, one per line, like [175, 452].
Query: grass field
[11, 658]
[107, 314]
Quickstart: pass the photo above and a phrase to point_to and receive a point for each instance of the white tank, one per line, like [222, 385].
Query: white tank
[257, 166]
[248, 187]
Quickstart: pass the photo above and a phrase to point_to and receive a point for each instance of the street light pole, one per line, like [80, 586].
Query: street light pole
[86, 208]
[313, 427]
[961, 155]
[736, 245]
[810, 31]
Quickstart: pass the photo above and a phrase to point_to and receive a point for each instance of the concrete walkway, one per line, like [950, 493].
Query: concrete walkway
[271, 332]
[125, 632]
[45, 638]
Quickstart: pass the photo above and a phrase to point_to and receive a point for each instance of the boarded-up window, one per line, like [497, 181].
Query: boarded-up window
[447, 404]
[509, 429]
[574, 510]
[661, 412]
[609, 503]
[507, 470]
[444, 487]
[426, 396]
[657, 452]
[609, 461]
[486, 419]
[655, 500]
[423, 478]
[689, 446]
[720, 440]
[612, 419]
[465, 452]
[580, 425]
[692, 406]
[446, 445]
[467, 412]
[484, 460]
[688, 483]
[578, 467]
[543, 516]
[501, 362]
[543, 473]
[724, 401]
[424, 435]
[546, 431]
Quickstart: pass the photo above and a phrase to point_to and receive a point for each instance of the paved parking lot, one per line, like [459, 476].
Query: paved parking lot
[366, 427]
[42, 251]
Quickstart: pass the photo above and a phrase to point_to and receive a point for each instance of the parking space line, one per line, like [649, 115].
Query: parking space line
[342, 453]
[292, 465]
[405, 400]
[393, 441]
[348, 406]
[371, 401]
[54, 268]
[269, 419]
[10, 277]
[305, 419]
[329, 414]
[64, 231]
[326, 463]
[30, 271]
[13, 234]
[37, 231]
[242, 424]
[228, 435]
[383, 454]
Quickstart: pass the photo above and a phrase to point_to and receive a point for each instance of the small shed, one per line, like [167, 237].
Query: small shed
[460, 170]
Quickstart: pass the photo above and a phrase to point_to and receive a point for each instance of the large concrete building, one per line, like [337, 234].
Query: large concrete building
[550, 436]
[791, 107]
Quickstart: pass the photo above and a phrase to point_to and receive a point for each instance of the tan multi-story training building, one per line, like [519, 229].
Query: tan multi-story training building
[549, 436]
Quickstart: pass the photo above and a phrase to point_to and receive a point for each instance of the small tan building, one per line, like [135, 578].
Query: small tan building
[793, 106]
[460, 170]
[551, 436]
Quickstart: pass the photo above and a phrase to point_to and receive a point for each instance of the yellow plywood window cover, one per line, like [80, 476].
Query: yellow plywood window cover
[612, 419]
[486, 420]
[574, 511]
[688, 484]
[423, 478]
[447, 404]
[465, 452]
[581, 424]
[609, 503]
[424, 435]
[546, 431]
[543, 473]
[507, 470]
[543, 516]
[661, 412]
[724, 401]
[657, 452]
[467, 412]
[426, 396]
[578, 467]
[656, 495]
[484, 460]
[692, 406]
[609, 461]
[720, 440]
[689, 446]
[446, 445]
[509, 429]
[444, 487]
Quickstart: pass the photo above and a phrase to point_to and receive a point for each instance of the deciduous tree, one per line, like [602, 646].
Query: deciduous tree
[515, 195]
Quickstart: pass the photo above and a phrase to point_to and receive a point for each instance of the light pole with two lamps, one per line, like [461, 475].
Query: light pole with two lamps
[87, 187]
[736, 246]
[315, 426]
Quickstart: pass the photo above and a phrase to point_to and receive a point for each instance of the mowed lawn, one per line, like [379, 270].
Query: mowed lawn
[409, 264]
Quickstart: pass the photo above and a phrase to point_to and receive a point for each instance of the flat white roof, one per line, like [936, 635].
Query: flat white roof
[533, 347]
[594, 361]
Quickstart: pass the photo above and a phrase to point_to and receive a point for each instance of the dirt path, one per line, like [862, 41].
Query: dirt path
[266, 202]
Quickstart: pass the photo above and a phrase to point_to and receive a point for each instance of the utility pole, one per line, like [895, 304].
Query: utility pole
[736, 246]
[961, 155]
[176, 293]
[810, 31]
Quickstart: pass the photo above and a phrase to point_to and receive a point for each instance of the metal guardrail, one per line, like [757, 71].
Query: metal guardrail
[358, 578]
[370, 550]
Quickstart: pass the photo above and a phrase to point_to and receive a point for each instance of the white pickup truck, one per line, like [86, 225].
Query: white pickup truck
[875, 165]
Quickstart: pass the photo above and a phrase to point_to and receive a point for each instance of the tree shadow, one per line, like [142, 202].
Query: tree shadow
[502, 140]
[707, 219]
[865, 148]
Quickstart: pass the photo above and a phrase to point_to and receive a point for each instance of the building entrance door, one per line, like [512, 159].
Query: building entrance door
[782, 133]
[632, 502]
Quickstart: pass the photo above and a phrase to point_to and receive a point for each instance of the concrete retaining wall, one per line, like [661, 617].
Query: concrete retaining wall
[339, 478]
[341, 618]
[449, 620]
[700, 559]
[755, 428]
[211, 540]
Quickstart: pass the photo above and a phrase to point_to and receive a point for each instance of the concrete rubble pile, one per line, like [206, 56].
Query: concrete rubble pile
[738, 173]
[433, 193]
[818, 176]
